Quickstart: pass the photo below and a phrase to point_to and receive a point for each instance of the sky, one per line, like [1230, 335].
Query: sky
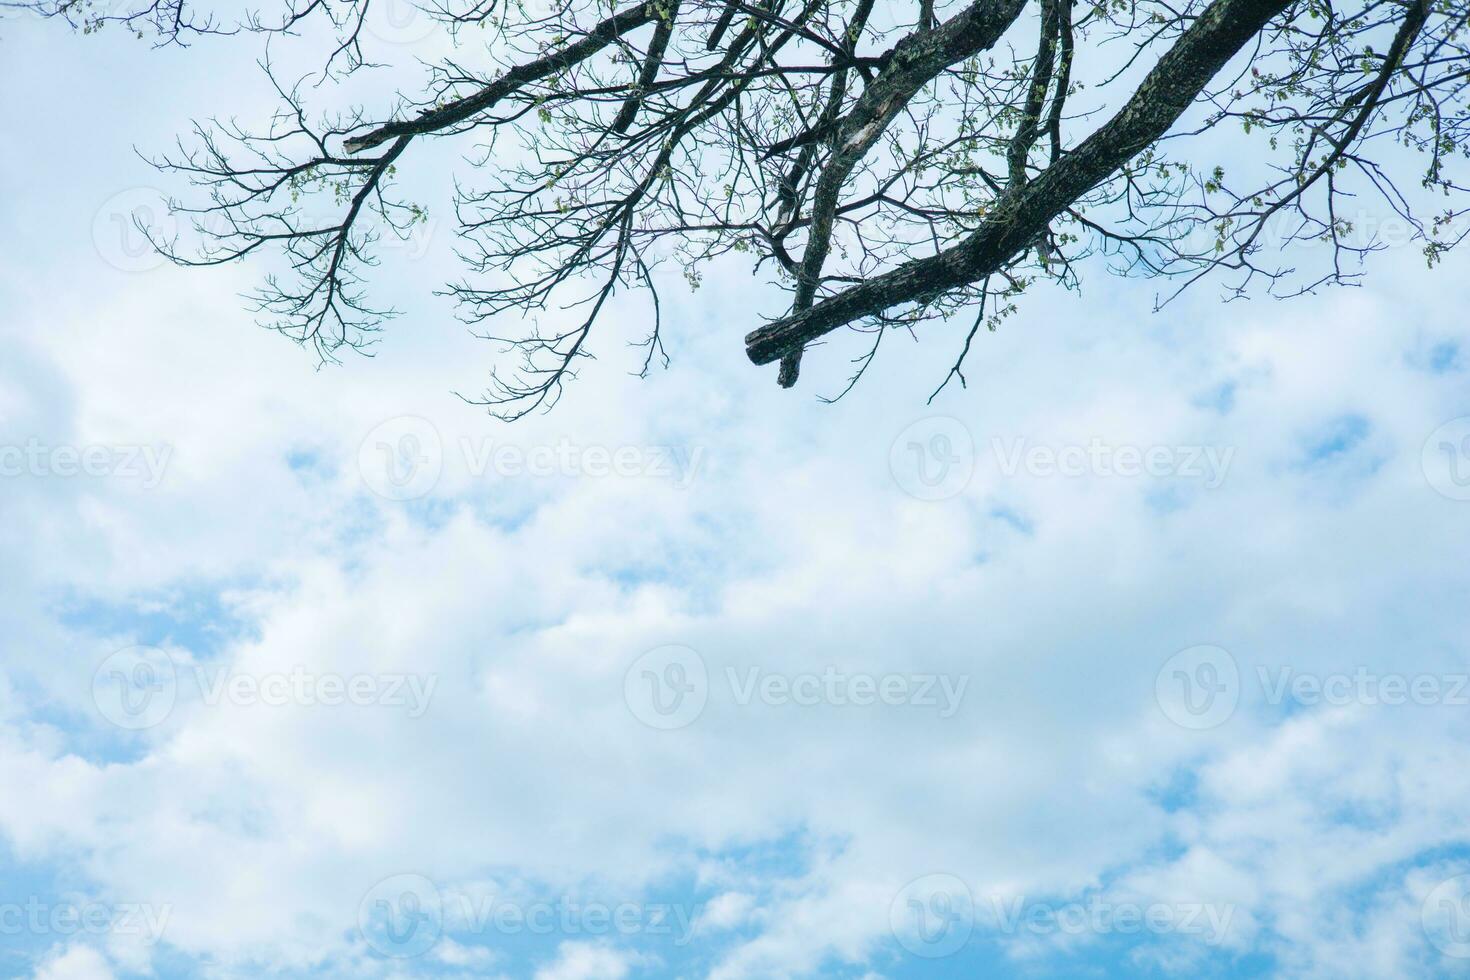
[1144, 655]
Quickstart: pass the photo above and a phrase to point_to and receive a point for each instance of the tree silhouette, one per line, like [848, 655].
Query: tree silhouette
[890, 164]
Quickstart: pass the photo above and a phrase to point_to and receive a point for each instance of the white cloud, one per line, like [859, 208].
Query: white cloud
[76, 962]
[727, 911]
[793, 551]
[587, 961]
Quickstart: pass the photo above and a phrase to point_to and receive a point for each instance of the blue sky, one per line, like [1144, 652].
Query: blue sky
[314, 656]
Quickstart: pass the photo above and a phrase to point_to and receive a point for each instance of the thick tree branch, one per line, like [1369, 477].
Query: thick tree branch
[447, 116]
[606, 157]
[915, 61]
[649, 72]
[1220, 32]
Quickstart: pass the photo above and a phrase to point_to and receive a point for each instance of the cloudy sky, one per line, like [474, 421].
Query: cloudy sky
[1145, 655]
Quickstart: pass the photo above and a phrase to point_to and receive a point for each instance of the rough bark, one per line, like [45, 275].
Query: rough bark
[444, 117]
[1221, 31]
[916, 60]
